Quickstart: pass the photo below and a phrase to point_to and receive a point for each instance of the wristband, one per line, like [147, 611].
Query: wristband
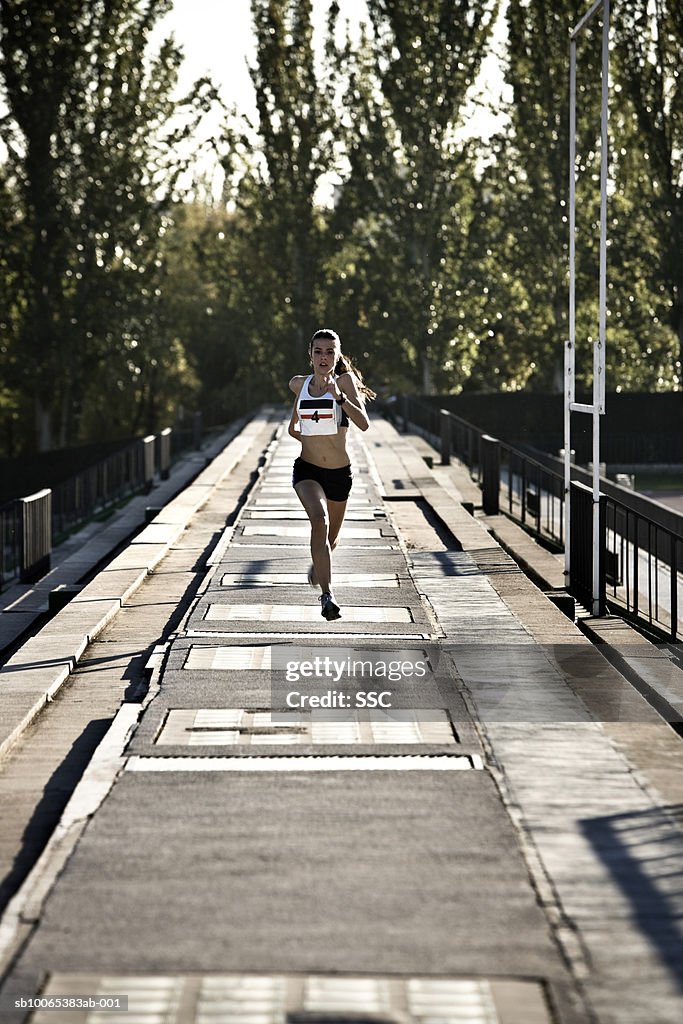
[340, 401]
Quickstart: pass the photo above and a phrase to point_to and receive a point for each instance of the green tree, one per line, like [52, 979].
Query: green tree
[534, 180]
[649, 58]
[280, 225]
[405, 202]
[520, 236]
[90, 155]
[211, 270]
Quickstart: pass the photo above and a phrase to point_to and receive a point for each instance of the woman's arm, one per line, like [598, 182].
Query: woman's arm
[296, 434]
[295, 385]
[354, 406]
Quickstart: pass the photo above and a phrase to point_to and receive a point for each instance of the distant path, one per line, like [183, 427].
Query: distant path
[674, 499]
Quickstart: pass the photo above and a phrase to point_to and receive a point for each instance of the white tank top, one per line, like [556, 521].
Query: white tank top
[319, 416]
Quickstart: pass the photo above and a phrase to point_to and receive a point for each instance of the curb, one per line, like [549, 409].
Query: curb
[650, 668]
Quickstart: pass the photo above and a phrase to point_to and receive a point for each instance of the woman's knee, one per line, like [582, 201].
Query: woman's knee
[320, 522]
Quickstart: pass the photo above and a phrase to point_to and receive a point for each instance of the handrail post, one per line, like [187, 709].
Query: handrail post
[445, 437]
[148, 461]
[674, 586]
[490, 480]
[585, 546]
[197, 422]
[36, 535]
[165, 453]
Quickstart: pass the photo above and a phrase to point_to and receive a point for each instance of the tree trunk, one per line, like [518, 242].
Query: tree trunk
[427, 380]
[561, 328]
[43, 425]
[64, 418]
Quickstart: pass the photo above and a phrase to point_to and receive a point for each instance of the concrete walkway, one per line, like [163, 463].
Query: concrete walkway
[501, 844]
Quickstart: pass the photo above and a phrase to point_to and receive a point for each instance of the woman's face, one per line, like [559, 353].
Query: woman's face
[324, 355]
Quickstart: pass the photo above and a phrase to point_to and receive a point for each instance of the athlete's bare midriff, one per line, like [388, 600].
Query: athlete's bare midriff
[326, 452]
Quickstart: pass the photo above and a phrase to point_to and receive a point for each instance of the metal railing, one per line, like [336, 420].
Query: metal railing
[28, 526]
[448, 432]
[26, 537]
[641, 559]
[187, 432]
[582, 548]
[532, 494]
[643, 569]
[10, 541]
[98, 487]
[36, 535]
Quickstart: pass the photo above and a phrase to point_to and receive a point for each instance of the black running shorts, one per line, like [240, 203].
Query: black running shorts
[336, 483]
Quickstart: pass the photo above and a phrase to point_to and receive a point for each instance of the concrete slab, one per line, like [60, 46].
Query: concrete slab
[113, 583]
[650, 667]
[164, 533]
[442, 890]
[40, 651]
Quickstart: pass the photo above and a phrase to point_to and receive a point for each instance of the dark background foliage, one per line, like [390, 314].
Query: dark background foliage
[128, 290]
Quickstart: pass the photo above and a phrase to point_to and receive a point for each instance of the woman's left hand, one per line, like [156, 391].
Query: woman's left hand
[333, 387]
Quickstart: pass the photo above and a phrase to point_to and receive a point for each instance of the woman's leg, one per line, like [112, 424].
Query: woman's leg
[312, 497]
[337, 510]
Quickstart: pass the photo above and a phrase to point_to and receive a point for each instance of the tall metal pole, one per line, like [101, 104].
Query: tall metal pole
[597, 409]
[570, 345]
[599, 350]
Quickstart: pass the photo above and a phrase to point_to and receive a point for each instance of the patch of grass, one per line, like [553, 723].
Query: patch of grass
[659, 481]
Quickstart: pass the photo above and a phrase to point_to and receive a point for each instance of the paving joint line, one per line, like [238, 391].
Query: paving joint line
[438, 630]
[566, 934]
[227, 538]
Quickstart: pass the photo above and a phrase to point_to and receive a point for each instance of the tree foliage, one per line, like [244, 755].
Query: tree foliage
[277, 198]
[360, 197]
[649, 68]
[406, 197]
[89, 158]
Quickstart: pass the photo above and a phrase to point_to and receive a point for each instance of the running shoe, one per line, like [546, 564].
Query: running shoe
[328, 607]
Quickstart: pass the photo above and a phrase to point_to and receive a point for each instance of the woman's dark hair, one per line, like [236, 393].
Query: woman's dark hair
[344, 364]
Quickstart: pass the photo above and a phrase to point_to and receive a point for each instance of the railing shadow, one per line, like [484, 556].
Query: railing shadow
[643, 852]
[56, 794]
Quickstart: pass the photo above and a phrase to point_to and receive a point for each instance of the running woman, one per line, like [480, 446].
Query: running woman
[326, 401]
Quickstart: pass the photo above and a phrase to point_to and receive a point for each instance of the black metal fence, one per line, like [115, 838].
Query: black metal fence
[98, 487]
[643, 568]
[449, 433]
[640, 555]
[10, 541]
[526, 418]
[582, 547]
[29, 526]
[532, 494]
